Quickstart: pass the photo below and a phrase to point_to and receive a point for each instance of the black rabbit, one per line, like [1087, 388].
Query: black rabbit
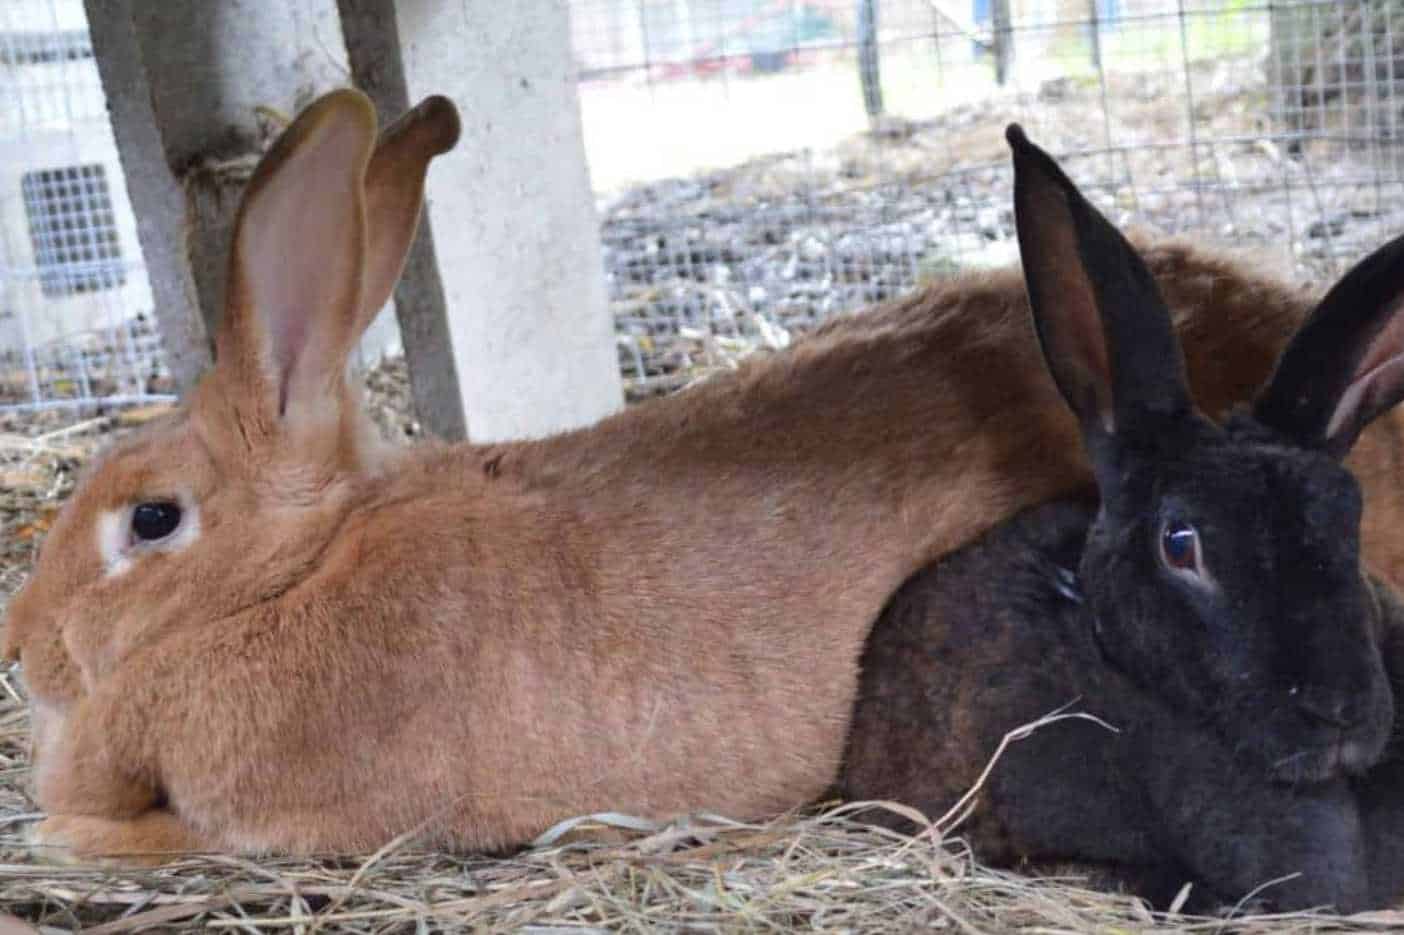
[1211, 606]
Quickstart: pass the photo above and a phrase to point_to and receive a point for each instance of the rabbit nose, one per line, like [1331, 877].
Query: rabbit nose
[1333, 709]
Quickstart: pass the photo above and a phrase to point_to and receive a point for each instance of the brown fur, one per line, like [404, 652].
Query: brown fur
[658, 614]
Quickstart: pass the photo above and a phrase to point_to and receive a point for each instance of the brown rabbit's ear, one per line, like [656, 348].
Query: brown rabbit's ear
[298, 264]
[1345, 365]
[395, 192]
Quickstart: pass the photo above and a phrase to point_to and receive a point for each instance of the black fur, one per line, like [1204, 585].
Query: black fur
[1248, 679]
[995, 637]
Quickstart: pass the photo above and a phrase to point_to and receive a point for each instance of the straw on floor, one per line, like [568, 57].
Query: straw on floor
[823, 869]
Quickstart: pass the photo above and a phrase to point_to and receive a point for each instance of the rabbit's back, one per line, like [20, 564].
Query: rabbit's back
[949, 374]
[1232, 317]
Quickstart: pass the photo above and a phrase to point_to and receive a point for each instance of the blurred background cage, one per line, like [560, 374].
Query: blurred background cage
[803, 157]
[760, 165]
[75, 308]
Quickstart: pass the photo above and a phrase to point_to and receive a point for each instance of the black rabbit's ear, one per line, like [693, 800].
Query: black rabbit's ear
[1104, 328]
[1345, 366]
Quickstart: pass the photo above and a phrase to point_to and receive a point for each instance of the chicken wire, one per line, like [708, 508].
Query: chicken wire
[763, 164]
[76, 327]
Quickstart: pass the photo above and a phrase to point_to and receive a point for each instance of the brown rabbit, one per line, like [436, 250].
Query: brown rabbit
[252, 629]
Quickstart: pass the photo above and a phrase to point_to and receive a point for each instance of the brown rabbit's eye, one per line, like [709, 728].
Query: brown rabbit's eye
[1179, 546]
[155, 520]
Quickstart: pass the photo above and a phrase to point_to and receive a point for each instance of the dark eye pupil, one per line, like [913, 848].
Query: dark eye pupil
[157, 520]
[1180, 544]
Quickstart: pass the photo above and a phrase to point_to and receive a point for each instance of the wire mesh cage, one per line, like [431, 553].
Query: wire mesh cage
[76, 327]
[765, 163]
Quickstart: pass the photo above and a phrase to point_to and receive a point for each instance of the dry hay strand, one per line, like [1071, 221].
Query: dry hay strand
[820, 871]
[39, 457]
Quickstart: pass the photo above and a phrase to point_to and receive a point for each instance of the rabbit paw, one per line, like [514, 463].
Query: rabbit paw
[148, 840]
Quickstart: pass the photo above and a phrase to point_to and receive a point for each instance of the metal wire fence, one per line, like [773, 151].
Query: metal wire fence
[75, 309]
[765, 163]
[762, 164]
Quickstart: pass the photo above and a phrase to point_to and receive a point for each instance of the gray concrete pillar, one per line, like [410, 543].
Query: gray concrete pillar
[515, 229]
[372, 36]
[194, 89]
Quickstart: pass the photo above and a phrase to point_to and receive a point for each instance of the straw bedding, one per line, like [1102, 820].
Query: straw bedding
[821, 869]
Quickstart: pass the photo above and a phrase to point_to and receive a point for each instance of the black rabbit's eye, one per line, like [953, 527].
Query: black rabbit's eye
[1179, 546]
[155, 520]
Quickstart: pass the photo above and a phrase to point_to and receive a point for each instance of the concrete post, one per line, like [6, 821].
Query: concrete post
[515, 229]
[194, 90]
[157, 199]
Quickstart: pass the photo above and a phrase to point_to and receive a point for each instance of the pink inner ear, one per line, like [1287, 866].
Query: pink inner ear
[290, 331]
[302, 242]
[1078, 333]
[1085, 336]
[1379, 374]
[1388, 343]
